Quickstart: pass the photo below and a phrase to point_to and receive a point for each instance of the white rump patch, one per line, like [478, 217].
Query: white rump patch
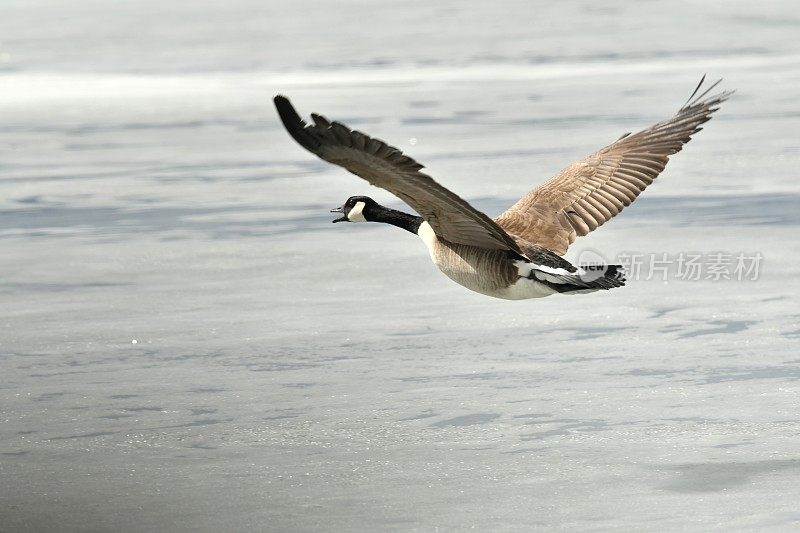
[357, 213]
[524, 269]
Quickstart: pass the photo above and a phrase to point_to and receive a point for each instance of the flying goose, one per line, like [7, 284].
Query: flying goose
[518, 254]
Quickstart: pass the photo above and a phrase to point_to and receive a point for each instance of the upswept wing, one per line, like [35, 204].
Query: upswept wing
[590, 192]
[451, 217]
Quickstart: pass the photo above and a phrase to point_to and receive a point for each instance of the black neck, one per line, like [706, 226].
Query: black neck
[396, 218]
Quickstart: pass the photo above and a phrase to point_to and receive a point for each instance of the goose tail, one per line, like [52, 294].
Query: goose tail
[597, 278]
[587, 278]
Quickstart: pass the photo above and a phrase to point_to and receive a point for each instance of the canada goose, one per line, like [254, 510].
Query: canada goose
[518, 254]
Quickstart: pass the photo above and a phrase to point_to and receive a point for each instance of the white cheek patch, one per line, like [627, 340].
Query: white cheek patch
[357, 213]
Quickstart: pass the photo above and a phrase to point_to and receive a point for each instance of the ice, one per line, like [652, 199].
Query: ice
[188, 344]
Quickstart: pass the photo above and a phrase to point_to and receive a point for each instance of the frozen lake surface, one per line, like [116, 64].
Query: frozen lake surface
[188, 344]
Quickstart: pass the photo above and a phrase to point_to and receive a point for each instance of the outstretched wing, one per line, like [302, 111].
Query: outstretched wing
[451, 217]
[587, 194]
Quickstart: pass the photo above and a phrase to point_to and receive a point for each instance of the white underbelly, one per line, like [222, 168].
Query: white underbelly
[524, 289]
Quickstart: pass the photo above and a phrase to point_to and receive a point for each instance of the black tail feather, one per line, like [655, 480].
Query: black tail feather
[594, 278]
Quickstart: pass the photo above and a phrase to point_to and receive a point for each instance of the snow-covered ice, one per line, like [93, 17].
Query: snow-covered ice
[188, 344]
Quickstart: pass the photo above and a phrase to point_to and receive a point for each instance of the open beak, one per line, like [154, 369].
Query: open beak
[339, 210]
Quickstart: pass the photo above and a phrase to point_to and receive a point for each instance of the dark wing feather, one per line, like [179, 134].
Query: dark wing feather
[451, 217]
[590, 192]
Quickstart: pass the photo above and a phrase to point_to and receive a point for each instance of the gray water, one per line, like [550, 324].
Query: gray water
[188, 344]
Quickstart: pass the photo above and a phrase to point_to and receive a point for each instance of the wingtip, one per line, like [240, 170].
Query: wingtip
[287, 112]
[294, 124]
[694, 99]
[282, 101]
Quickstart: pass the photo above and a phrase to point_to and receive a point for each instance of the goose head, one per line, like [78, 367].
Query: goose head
[356, 209]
